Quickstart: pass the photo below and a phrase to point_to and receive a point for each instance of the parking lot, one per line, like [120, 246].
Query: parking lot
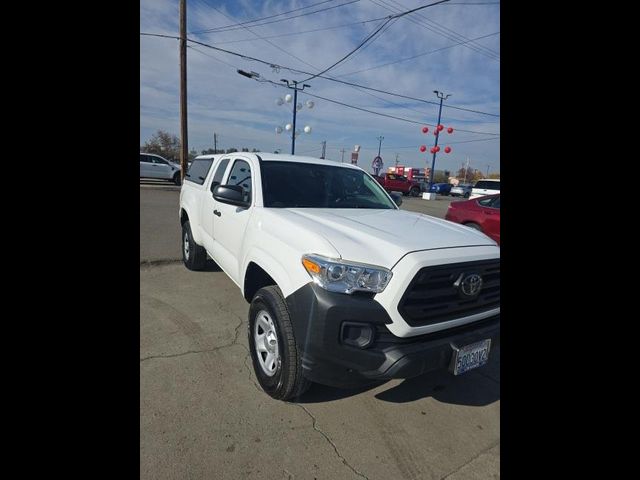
[202, 414]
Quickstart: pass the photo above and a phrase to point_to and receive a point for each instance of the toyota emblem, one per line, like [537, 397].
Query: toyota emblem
[469, 285]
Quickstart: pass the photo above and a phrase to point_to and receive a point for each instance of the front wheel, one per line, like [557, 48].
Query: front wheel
[415, 191]
[274, 350]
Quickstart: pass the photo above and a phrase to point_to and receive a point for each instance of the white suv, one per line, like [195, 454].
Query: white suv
[488, 186]
[154, 166]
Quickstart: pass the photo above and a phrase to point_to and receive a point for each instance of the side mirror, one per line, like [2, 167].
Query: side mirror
[397, 198]
[231, 194]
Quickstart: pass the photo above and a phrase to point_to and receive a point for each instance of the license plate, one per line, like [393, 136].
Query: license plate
[471, 356]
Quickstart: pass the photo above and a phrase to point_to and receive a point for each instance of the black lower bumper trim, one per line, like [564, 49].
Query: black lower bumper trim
[318, 315]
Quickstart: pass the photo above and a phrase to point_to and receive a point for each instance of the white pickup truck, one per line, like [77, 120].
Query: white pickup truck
[345, 288]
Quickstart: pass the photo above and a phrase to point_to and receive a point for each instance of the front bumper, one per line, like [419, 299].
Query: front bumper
[318, 317]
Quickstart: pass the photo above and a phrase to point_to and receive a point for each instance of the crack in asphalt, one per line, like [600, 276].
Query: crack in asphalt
[315, 427]
[188, 352]
[471, 460]
[249, 372]
[159, 263]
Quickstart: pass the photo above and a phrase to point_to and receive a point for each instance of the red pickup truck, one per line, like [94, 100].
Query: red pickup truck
[393, 182]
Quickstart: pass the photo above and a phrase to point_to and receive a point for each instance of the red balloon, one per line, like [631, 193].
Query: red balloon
[425, 129]
[447, 149]
[437, 149]
[433, 150]
[440, 128]
[423, 148]
[450, 130]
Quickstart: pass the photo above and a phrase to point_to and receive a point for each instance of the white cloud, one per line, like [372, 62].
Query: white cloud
[244, 114]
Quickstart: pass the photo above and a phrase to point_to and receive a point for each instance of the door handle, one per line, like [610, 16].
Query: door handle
[217, 213]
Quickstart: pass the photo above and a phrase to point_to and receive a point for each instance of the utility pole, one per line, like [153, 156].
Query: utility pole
[397, 161]
[380, 138]
[343, 150]
[184, 148]
[324, 148]
[488, 170]
[215, 142]
[466, 170]
[442, 97]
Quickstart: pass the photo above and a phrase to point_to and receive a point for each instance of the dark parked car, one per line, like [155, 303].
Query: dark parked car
[481, 213]
[441, 188]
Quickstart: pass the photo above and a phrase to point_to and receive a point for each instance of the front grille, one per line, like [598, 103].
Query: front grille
[432, 297]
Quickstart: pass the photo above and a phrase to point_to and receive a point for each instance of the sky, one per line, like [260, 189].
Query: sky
[430, 50]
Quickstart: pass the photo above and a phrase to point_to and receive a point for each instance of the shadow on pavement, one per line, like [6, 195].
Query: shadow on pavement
[475, 388]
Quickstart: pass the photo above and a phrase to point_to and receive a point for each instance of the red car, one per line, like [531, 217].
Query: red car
[481, 213]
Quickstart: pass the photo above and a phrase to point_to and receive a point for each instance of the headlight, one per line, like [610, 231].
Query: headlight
[346, 277]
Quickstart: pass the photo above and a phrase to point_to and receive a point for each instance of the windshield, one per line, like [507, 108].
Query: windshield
[308, 185]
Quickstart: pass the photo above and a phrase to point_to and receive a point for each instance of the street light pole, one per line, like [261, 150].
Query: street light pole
[295, 106]
[380, 138]
[488, 170]
[295, 89]
[442, 97]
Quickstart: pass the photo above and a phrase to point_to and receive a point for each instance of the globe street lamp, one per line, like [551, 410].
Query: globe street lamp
[435, 149]
[288, 98]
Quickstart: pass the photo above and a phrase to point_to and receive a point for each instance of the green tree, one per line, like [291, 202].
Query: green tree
[494, 175]
[231, 150]
[164, 144]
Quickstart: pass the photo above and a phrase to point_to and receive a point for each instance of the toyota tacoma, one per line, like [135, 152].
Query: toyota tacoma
[345, 289]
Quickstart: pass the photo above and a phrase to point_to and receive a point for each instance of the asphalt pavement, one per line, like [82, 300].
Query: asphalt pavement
[202, 414]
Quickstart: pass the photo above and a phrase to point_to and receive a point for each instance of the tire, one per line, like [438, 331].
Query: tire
[466, 195]
[415, 191]
[176, 179]
[280, 377]
[473, 225]
[194, 256]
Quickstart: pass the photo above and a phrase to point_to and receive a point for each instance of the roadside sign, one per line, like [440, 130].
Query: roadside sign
[377, 164]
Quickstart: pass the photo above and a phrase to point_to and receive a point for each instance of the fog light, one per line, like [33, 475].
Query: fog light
[356, 334]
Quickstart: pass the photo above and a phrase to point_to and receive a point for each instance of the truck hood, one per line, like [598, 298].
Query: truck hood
[382, 237]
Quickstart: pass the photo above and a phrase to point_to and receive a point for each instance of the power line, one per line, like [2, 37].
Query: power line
[447, 29]
[238, 26]
[265, 18]
[440, 30]
[370, 36]
[301, 32]
[442, 27]
[294, 70]
[387, 115]
[382, 32]
[416, 56]
[268, 41]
